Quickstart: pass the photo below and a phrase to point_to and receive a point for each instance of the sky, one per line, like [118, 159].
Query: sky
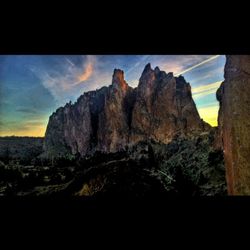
[32, 87]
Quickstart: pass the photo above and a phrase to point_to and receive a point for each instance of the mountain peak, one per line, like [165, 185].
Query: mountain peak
[181, 78]
[158, 109]
[157, 70]
[118, 79]
[118, 75]
[147, 68]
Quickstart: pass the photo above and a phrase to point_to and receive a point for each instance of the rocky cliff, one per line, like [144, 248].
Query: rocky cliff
[114, 117]
[113, 120]
[234, 123]
[164, 107]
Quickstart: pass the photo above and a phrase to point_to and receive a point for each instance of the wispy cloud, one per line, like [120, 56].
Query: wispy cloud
[168, 63]
[69, 61]
[141, 61]
[60, 85]
[27, 110]
[197, 65]
[204, 90]
[216, 73]
[209, 104]
[208, 110]
[87, 72]
[176, 63]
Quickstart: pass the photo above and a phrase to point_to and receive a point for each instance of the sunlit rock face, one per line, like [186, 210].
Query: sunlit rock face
[234, 123]
[164, 107]
[99, 120]
[114, 117]
[113, 132]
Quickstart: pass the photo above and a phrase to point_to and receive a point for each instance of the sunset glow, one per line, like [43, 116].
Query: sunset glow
[86, 74]
[32, 87]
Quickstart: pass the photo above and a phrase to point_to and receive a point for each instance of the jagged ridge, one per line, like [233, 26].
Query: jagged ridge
[114, 117]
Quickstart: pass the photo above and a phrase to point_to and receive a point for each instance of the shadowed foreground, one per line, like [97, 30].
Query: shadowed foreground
[186, 166]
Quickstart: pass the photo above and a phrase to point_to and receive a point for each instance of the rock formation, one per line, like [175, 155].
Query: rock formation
[164, 107]
[114, 117]
[113, 134]
[234, 123]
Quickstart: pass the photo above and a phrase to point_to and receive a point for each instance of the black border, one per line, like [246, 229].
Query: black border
[145, 216]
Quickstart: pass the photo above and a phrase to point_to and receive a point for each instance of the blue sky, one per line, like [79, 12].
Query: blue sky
[33, 86]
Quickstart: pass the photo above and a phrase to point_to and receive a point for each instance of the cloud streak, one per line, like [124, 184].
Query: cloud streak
[204, 90]
[70, 62]
[140, 62]
[197, 65]
[62, 85]
[27, 110]
[88, 71]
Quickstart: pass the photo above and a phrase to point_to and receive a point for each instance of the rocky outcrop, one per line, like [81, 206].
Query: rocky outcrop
[164, 107]
[234, 123]
[113, 134]
[73, 128]
[114, 117]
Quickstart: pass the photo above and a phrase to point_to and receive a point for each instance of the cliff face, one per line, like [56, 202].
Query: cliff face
[234, 123]
[73, 128]
[114, 117]
[99, 120]
[164, 107]
[113, 132]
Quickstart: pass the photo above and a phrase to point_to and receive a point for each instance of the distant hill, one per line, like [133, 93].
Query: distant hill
[20, 148]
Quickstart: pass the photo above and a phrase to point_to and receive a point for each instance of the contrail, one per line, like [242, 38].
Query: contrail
[72, 64]
[197, 65]
[137, 64]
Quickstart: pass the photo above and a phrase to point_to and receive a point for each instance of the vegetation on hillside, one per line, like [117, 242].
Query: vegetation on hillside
[186, 166]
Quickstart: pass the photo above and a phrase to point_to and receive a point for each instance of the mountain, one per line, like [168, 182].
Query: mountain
[164, 107]
[234, 123]
[119, 116]
[120, 142]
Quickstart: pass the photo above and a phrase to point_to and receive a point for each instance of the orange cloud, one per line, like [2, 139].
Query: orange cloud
[87, 73]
